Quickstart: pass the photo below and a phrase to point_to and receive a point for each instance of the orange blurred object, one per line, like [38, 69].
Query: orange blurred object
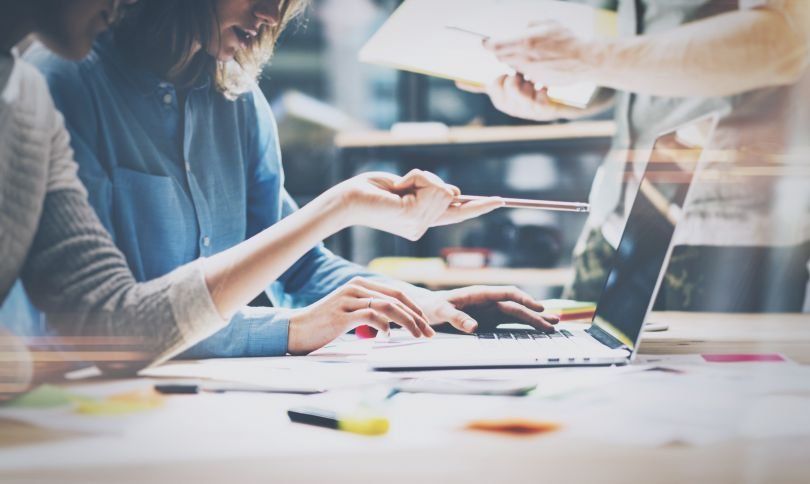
[514, 426]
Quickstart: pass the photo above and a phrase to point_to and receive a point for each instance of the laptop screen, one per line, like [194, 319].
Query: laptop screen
[644, 248]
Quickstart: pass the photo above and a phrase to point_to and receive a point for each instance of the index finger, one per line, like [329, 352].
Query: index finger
[468, 210]
[392, 292]
[520, 88]
[373, 305]
[516, 295]
[419, 179]
[526, 315]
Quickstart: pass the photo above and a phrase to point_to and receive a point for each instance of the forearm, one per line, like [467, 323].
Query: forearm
[313, 277]
[722, 55]
[235, 276]
[77, 276]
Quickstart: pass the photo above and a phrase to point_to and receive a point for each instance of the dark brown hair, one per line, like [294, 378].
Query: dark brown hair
[167, 35]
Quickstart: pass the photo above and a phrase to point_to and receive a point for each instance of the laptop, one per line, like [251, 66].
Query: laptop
[626, 299]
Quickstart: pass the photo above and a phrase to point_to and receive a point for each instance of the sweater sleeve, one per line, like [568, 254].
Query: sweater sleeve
[75, 273]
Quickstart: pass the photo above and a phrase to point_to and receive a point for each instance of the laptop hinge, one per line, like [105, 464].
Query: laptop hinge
[604, 337]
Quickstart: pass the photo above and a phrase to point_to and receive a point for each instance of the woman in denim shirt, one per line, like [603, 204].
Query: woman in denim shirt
[179, 151]
[52, 239]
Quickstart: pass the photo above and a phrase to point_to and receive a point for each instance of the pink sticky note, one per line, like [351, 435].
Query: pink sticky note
[743, 358]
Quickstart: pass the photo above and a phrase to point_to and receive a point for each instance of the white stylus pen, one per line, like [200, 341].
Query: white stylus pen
[535, 204]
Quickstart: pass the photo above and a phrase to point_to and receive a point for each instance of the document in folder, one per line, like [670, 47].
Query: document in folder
[442, 38]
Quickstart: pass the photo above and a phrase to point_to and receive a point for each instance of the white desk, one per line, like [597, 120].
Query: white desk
[247, 438]
[788, 334]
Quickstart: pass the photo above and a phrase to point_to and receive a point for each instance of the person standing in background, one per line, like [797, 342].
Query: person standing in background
[738, 249]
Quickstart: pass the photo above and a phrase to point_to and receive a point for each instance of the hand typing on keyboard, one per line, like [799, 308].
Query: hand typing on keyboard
[482, 308]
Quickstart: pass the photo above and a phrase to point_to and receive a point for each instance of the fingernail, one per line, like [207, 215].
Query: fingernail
[469, 325]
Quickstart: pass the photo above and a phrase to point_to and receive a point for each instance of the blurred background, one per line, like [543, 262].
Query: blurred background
[333, 109]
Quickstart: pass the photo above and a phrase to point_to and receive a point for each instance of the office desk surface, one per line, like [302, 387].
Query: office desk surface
[788, 334]
[218, 438]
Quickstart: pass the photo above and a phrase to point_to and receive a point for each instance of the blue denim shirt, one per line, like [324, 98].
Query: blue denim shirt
[169, 195]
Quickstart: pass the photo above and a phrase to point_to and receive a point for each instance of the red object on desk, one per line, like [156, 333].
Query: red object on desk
[365, 332]
[466, 257]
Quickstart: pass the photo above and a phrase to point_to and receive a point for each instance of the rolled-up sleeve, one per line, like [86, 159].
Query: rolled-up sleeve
[252, 331]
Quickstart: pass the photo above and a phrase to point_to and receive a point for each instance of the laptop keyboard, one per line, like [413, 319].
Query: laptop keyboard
[525, 335]
[559, 347]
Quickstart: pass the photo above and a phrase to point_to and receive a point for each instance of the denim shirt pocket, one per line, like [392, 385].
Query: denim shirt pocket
[154, 222]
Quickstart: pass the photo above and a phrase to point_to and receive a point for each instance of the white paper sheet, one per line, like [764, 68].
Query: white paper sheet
[289, 374]
[442, 38]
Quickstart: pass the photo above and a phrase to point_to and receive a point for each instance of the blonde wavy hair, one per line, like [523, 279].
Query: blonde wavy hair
[166, 35]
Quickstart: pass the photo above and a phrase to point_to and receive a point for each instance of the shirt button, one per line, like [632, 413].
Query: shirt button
[188, 166]
[167, 98]
[206, 241]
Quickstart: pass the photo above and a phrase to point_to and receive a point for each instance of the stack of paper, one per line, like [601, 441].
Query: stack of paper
[443, 38]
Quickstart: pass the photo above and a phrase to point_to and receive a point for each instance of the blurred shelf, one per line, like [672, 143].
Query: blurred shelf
[444, 277]
[479, 135]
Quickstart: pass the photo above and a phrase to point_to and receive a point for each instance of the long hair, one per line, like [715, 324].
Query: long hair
[171, 35]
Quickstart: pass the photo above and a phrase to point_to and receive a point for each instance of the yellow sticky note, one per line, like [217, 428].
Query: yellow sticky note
[123, 403]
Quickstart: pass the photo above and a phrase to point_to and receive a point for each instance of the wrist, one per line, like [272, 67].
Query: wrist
[296, 336]
[604, 62]
[336, 209]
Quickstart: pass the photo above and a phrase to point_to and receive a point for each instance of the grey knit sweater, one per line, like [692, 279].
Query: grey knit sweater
[50, 236]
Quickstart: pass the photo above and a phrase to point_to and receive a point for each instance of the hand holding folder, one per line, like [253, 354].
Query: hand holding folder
[443, 38]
